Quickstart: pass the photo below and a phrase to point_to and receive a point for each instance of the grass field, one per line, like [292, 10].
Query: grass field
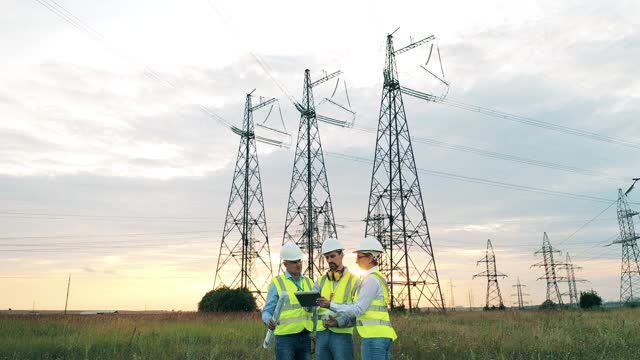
[611, 334]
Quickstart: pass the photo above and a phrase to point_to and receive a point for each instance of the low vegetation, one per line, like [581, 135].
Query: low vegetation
[562, 334]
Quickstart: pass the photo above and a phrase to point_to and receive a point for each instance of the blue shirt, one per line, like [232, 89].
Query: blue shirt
[272, 297]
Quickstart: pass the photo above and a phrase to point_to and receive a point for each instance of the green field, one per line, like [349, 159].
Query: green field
[568, 334]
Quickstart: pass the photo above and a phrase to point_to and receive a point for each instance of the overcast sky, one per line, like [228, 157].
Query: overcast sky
[117, 177]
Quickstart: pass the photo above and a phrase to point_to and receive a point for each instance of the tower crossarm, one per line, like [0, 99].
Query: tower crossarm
[414, 45]
[619, 240]
[419, 94]
[264, 103]
[326, 78]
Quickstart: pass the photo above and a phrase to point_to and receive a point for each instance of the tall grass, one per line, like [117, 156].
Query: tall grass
[613, 334]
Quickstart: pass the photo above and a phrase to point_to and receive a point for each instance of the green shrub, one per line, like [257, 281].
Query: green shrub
[634, 303]
[590, 299]
[547, 305]
[227, 300]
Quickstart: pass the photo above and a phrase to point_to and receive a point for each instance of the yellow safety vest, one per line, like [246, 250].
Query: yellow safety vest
[293, 317]
[375, 322]
[342, 294]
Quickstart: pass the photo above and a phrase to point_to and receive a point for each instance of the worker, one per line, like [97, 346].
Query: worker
[294, 326]
[371, 304]
[337, 285]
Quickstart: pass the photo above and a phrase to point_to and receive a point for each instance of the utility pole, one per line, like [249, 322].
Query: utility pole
[520, 295]
[494, 296]
[395, 200]
[67, 300]
[470, 300]
[309, 197]
[630, 264]
[550, 272]
[245, 256]
[452, 303]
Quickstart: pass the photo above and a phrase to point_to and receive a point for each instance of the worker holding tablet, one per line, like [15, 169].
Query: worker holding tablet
[337, 285]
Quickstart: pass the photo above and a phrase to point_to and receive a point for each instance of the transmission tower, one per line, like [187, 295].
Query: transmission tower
[494, 296]
[244, 252]
[310, 217]
[520, 295]
[571, 281]
[396, 200]
[550, 272]
[630, 272]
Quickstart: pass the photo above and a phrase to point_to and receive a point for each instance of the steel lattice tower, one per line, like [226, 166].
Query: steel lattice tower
[571, 281]
[494, 296]
[244, 252]
[309, 212]
[630, 269]
[519, 294]
[395, 201]
[550, 273]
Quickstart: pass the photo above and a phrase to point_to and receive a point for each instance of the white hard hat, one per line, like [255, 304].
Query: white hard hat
[290, 252]
[331, 244]
[369, 245]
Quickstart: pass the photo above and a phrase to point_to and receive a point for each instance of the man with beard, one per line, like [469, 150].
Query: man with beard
[337, 285]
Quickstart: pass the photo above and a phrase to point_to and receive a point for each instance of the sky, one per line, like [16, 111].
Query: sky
[111, 172]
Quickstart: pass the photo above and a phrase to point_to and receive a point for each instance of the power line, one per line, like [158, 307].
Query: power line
[587, 223]
[503, 156]
[481, 181]
[540, 124]
[103, 235]
[76, 22]
[518, 118]
[161, 241]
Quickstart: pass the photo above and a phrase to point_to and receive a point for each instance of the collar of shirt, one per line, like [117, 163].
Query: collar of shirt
[375, 268]
[295, 281]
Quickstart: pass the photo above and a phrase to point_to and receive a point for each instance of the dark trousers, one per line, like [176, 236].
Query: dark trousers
[294, 346]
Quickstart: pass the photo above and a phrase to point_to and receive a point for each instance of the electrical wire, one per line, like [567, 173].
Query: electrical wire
[480, 180]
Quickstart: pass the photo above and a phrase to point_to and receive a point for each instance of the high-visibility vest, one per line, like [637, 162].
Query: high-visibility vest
[375, 322]
[342, 294]
[293, 317]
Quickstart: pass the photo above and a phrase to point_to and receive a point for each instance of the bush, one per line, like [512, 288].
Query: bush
[630, 304]
[227, 300]
[493, 307]
[547, 305]
[590, 299]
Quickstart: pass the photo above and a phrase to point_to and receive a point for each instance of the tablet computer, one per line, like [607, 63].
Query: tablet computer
[307, 298]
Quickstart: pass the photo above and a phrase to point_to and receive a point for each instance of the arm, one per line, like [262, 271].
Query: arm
[345, 321]
[368, 292]
[316, 286]
[270, 304]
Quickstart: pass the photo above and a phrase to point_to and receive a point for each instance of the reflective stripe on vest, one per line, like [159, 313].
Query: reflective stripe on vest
[341, 295]
[293, 317]
[375, 322]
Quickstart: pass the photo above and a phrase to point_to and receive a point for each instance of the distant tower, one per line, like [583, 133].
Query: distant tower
[310, 216]
[630, 269]
[550, 272]
[244, 260]
[571, 280]
[396, 214]
[520, 295]
[494, 297]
